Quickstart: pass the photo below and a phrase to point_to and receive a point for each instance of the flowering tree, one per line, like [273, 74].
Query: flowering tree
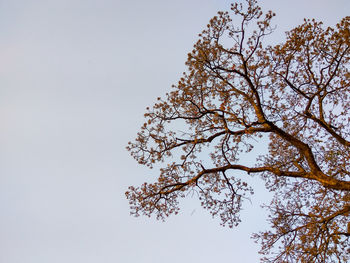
[238, 92]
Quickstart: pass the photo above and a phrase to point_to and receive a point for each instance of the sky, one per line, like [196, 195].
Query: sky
[75, 79]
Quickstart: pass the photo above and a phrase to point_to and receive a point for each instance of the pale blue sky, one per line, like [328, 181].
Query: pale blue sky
[75, 78]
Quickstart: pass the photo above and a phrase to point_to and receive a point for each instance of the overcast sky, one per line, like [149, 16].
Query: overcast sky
[75, 79]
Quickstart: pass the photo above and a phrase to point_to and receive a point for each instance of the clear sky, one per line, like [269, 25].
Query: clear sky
[75, 79]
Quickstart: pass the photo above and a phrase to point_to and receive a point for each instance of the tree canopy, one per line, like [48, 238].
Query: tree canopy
[237, 93]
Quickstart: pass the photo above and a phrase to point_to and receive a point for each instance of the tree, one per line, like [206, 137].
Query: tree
[237, 93]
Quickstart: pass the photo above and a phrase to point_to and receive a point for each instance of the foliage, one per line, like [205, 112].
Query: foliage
[237, 92]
